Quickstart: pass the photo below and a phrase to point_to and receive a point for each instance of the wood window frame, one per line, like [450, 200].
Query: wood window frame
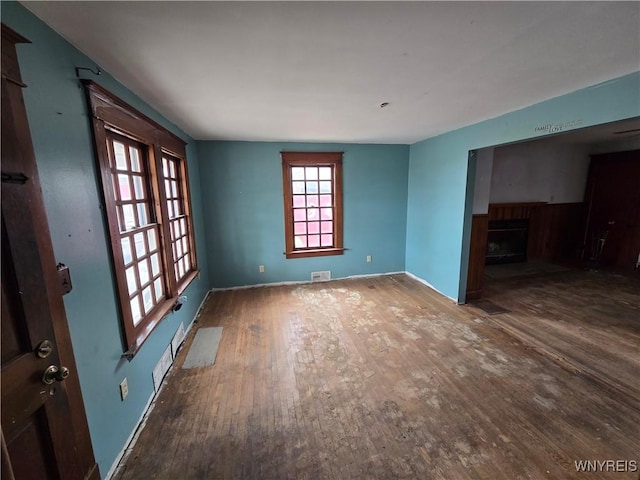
[313, 159]
[112, 116]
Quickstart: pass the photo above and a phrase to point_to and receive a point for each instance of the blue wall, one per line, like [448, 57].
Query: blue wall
[242, 199]
[408, 207]
[440, 197]
[61, 134]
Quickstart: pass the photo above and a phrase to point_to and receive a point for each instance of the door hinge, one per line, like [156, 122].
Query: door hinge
[19, 178]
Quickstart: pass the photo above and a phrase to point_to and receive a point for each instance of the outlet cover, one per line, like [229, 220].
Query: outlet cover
[124, 389]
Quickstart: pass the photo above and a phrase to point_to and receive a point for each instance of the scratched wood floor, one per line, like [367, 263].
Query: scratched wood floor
[382, 378]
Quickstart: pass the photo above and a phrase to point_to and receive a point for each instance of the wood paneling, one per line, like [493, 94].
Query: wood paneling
[555, 233]
[477, 252]
[384, 378]
[512, 211]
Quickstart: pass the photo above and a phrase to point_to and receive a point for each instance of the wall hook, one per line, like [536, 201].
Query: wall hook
[97, 71]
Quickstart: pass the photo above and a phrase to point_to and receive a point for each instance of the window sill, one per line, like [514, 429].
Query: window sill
[161, 311]
[321, 252]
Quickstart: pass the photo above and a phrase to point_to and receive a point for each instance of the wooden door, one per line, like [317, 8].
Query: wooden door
[613, 193]
[44, 428]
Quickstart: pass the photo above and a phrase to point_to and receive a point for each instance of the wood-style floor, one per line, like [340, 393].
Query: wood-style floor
[383, 378]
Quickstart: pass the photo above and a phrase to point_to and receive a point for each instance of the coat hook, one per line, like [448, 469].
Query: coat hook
[97, 71]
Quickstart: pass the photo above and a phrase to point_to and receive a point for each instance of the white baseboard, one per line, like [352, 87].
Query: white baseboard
[148, 408]
[424, 282]
[300, 282]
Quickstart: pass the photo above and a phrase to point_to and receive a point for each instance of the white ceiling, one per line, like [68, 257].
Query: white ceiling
[318, 71]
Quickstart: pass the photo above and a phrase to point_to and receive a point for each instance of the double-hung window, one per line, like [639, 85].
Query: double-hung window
[312, 187]
[143, 170]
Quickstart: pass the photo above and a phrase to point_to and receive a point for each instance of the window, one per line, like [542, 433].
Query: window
[143, 170]
[173, 171]
[312, 185]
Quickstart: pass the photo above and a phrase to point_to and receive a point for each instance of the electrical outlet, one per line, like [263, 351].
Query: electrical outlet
[261, 268]
[124, 389]
[368, 258]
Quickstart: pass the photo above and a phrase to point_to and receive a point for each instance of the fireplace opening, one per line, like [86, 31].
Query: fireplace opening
[507, 241]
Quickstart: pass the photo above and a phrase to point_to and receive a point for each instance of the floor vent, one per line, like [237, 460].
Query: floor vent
[320, 276]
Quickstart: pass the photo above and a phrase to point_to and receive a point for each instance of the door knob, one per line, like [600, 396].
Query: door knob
[53, 374]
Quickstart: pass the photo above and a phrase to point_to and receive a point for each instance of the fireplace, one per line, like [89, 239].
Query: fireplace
[507, 241]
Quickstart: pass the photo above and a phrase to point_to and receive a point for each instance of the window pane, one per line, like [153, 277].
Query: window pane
[165, 168]
[131, 280]
[300, 241]
[311, 173]
[327, 227]
[135, 159]
[180, 269]
[314, 227]
[324, 173]
[126, 250]
[325, 200]
[121, 159]
[138, 188]
[327, 240]
[297, 173]
[151, 236]
[167, 188]
[298, 201]
[135, 310]
[155, 264]
[314, 240]
[312, 187]
[143, 269]
[183, 226]
[157, 286]
[187, 262]
[147, 299]
[300, 228]
[123, 187]
[327, 213]
[312, 201]
[312, 213]
[174, 189]
[177, 208]
[170, 209]
[172, 168]
[299, 215]
[129, 218]
[178, 249]
[143, 214]
[138, 240]
[297, 187]
[325, 187]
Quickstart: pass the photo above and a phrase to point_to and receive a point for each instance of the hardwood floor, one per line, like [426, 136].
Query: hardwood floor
[380, 378]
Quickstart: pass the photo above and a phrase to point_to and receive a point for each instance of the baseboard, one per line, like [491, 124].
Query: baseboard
[300, 282]
[131, 440]
[424, 282]
[148, 408]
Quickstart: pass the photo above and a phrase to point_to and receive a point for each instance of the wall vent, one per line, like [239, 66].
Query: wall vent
[176, 341]
[320, 276]
[162, 368]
